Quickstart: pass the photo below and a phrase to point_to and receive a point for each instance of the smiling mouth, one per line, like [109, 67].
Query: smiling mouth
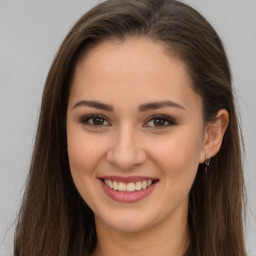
[128, 187]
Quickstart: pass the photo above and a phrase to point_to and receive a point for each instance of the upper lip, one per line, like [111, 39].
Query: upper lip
[127, 179]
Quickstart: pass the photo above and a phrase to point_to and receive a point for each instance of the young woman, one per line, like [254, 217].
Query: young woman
[137, 149]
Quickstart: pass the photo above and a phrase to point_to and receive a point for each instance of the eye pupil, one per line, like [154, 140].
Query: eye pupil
[98, 121]
[159, 122]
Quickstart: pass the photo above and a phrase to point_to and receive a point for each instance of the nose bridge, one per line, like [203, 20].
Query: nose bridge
[126, 150]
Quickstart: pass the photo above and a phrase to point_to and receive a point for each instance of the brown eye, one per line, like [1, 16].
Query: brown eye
[98, 121]
[95, 120]
[160, 121]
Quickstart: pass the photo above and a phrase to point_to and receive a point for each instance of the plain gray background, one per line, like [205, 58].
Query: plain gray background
[30, 33]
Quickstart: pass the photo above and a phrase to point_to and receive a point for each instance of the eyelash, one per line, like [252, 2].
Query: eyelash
[166, 121]
[86, 120]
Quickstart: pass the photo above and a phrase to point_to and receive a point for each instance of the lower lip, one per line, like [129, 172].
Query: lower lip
[127, 197]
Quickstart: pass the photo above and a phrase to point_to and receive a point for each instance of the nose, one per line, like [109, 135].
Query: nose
[124, 151]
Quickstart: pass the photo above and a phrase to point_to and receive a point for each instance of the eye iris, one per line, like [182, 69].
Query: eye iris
[159, 122]
[98, 121]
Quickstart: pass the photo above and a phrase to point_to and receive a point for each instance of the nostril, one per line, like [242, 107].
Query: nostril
[125, 155]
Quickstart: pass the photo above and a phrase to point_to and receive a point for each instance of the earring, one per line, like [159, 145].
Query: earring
[206, 162]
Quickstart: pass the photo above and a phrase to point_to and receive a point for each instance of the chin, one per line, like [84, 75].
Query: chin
[130, 222]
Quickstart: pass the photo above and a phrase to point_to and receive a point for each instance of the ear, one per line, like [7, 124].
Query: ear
[213, 134]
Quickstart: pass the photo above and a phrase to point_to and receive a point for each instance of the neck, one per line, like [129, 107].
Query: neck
[165, 239]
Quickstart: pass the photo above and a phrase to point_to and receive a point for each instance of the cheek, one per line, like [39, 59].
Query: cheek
[179, 149]
[178, 157]
[84, 154]
[81, 159]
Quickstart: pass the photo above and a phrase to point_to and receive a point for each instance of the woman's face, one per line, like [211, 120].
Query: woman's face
[135, 134]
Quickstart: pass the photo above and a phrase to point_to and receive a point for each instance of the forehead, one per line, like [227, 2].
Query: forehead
[137, 69]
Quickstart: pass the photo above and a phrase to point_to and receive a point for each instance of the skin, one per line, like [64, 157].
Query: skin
[127, 143]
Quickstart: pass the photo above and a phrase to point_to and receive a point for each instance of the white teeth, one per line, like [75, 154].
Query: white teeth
[144, 184]
[128, 187]
[115, 185]
[121, 186]
[110, 184]
[138, 185]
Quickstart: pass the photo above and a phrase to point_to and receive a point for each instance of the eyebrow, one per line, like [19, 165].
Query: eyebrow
[161, 104]
[93, 104]
[142, 107]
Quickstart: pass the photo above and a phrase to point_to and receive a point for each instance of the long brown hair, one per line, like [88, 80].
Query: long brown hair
[54, 219]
